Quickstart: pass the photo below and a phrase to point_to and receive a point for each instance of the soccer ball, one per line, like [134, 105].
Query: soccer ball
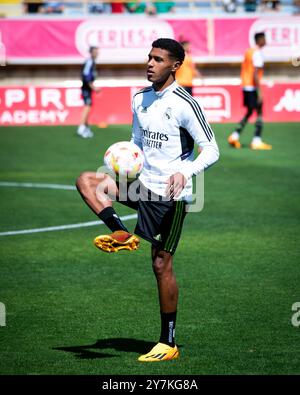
[125, 159]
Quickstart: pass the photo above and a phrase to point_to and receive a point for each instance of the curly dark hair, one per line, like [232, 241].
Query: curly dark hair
[174, 48]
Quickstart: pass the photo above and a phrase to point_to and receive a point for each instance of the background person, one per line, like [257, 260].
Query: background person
[251, 76]
[187, 72]
[88, 76]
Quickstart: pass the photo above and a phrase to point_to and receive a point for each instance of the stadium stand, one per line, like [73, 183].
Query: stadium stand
[11, 8]
[15, 8]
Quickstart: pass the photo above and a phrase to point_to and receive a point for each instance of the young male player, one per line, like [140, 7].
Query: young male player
[88, 76]
[167, 122]
[251, 76]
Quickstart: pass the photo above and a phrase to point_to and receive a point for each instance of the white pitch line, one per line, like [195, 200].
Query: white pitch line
[51, 228]
[36, 185]
[62, 227]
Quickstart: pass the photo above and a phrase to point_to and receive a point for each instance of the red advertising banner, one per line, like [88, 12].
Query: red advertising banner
[120, 40]
[127, 39]
[225, 103]
[63, 105]
[234, 35]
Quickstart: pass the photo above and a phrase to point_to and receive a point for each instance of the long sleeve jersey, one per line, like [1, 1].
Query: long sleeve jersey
[165, 126]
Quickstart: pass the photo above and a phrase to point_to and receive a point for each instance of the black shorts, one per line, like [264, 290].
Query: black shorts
[87, 96]
[159, 221]
[250, 99]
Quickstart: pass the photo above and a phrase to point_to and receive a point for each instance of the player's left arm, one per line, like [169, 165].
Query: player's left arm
[175, 184]
[199, 128]
[195, 122]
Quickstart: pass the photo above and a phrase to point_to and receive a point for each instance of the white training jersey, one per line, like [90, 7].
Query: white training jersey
[165, 126]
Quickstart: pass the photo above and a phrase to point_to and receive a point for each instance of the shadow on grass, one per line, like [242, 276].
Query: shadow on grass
[89, 351]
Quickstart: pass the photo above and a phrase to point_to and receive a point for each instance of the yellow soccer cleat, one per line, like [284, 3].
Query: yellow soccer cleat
[235, 143]
[116, 241]
[160, 352]
[260, 146]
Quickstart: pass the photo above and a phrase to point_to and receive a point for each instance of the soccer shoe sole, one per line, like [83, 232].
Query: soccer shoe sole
[261, 147]
[159, 355]
[107, 243]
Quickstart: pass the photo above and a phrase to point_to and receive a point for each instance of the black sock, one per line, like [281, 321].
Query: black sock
[258, 127]
[241, 125]
[111, 219]
[167, 335]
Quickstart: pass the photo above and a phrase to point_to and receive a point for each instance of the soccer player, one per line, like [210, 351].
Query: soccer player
[167, 122]
[188, 71]
[88, 76]
[251, 76]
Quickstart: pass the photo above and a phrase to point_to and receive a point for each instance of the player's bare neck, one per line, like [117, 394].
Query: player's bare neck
[160, 86]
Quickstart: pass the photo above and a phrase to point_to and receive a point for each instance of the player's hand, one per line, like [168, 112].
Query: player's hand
[259, 96]
[260, 99]
[175, 185]
[96, 89]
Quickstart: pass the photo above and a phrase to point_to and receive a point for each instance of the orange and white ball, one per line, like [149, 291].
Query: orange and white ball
[125, 159]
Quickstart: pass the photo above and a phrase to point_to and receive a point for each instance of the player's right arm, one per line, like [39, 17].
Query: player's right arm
[136, 136]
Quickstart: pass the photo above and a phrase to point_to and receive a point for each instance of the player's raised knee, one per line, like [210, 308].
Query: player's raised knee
[85, 180]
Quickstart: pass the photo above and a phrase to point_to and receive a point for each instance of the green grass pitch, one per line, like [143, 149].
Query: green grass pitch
[71, 309]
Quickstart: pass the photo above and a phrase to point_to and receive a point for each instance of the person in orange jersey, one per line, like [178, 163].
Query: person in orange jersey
[251, 76]
[188, 71]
